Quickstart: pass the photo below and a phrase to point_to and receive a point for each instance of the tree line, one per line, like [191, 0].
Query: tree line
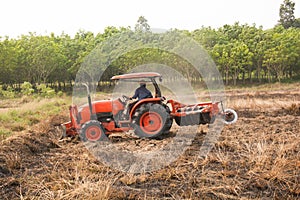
[243, 53]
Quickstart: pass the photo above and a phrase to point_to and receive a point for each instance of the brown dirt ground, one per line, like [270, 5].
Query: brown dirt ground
[256, 158]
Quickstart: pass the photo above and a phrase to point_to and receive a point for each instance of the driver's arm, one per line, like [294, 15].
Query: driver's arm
[135, 95]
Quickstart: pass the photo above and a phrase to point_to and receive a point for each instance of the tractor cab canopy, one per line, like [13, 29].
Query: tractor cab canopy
[136, 76]
[142, 76]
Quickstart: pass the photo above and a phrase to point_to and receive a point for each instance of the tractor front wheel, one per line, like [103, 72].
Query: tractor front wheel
[92, 131]
[151, 120]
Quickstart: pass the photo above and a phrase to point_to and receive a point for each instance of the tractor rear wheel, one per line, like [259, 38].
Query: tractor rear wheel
[151, 120]
[92, 131]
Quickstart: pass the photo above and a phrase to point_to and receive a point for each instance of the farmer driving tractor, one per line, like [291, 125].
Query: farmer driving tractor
[142, 92]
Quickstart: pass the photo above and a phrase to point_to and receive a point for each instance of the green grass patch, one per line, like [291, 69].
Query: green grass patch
[4, 133]
[25, 115]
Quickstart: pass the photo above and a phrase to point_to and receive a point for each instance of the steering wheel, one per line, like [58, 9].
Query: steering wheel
[126, 98]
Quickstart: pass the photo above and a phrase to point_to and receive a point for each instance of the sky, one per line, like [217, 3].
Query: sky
[69, 16]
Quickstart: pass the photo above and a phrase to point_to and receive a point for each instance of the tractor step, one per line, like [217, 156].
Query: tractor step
[125, 123]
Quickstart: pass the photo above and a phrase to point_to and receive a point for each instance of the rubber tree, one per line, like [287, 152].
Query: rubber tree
[286, 14]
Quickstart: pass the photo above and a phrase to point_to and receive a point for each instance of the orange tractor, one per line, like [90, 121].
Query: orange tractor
[150, 117]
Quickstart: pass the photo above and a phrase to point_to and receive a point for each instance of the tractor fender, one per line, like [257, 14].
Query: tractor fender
[144, 101]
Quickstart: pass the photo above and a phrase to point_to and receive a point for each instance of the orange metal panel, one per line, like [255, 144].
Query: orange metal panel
[143, 101]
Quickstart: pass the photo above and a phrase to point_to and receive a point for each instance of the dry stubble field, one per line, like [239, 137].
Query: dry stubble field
[256, 158]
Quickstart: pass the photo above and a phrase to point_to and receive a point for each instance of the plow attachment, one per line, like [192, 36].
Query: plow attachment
[202, 113]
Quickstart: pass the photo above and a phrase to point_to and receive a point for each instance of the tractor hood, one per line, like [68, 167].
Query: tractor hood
[109, 107]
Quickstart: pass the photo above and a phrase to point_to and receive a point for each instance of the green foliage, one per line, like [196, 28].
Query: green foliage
[283, 52]
[45, 91]
[297, 23]
[26, 88]
[241, 52]
[142, 25]
[286, 13]
[7, 93]
[60, 93]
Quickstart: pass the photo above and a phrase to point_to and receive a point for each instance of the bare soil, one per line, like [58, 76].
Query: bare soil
[256, 158]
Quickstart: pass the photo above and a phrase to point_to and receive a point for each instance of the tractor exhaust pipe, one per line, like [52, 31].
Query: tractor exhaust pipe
[93, 116]
[64, 128]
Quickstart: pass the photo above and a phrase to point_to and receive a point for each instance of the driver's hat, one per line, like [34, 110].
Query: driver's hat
[142, 82]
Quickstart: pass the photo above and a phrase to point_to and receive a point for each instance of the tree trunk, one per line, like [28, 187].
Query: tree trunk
[226, 75]
[258, 71]
[269, 76]
[59, 85]
[234, 77]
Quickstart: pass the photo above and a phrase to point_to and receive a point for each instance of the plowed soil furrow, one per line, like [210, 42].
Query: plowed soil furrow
[258, 157]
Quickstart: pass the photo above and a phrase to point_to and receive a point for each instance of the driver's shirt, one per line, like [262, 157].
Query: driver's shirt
[142, 93]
